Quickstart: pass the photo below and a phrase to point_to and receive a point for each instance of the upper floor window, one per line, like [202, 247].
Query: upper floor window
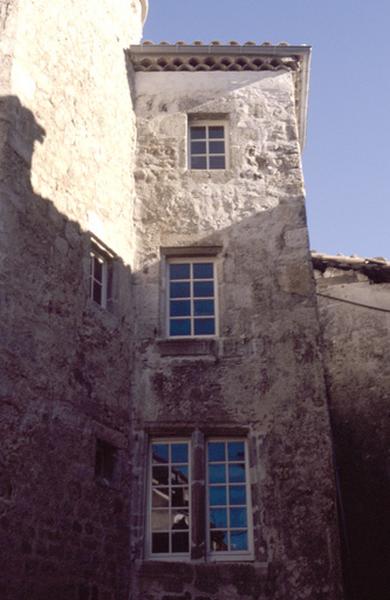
[207, 145]
[191, 297]
[100, 275]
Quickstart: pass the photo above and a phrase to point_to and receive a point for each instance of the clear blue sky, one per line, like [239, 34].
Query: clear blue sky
[346, 159]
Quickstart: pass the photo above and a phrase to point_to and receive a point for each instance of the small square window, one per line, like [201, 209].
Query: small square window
[207, 145]
[100, 276]
[192, 298]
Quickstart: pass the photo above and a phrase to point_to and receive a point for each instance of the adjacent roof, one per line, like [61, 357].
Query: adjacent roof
[195, 57]
[376, 269]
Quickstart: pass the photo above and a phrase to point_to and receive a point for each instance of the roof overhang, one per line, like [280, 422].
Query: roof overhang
[197, 57]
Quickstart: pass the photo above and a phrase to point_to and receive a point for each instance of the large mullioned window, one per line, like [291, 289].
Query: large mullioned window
[191, 298]
[226, 528]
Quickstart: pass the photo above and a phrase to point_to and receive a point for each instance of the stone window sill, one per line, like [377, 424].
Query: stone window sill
[187, 347]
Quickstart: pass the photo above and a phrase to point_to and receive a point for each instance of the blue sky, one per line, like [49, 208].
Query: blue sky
[346, 159]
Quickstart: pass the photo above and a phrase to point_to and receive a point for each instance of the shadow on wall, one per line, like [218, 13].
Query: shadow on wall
[65, 381]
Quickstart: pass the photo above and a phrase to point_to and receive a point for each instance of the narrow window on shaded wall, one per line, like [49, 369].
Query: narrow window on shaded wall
[100, 275]
[105, 461]
[207, 145]
[192, 297]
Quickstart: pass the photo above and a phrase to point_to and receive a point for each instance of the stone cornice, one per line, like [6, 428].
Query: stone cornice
[197, 57]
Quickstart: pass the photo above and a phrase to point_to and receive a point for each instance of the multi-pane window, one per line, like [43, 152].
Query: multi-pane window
[225, 531]
[207, 146]
[227, 494]
[170, 498]
[98, 278]
[191, 298]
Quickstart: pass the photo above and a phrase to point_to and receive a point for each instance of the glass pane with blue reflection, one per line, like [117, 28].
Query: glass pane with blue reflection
[198, 133]
[198, 162]
[237, 473]
[203, 308]
[179, 453]
[238, 540]
[203, 289]
[180, 308]
[204, 327]
[179, 327]
[179, 290]
[217, 147]
[236, 451]
[198, 147]
[237, 494]
[217, 162]
[218, 518]
[216, 132]
[216, 451]
[203, 270]
[217, 474]
[238, 517]
[217, 496]
[179, 271]
[160, 453]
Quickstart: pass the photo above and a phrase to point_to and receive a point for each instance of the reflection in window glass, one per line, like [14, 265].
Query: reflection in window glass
[191, 302]
[170, 497]
[227, 496]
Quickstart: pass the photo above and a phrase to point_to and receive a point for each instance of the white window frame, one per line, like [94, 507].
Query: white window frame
[96, 255]
[192, 260]
[229, 555]
[193, 122]
[168, 556]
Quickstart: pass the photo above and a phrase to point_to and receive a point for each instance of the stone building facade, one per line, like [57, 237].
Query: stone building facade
[164, 410]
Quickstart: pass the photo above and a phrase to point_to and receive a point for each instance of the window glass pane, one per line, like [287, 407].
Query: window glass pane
[160, 520]
[203, 289]
[179, 271]
[160, 475]
[204, 327]
[219, 541]
[198, 162]
[160, 453]
[217, 495]
[237, 473]
[160, 543]
[179, 290]
[180, 308]
[180, 327]
[217, 147]
[216, 451]
[216, 131]
[97, 292]
[179, 475]
[98, 269]
[218, 518]
[203, 307]
[198, 147]
[203, 270]
[217, 162]
[180, 542]
[160, 497]
[180, 496]
[180, 520]
[238, 540]
[198, 133]
[236, 451]
[217, 474]
[237, 494]
[238, 517]
[179, 453]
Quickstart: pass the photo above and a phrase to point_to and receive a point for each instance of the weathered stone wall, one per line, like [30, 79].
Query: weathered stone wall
[355, 323]
[67, 141]
[264, 371]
